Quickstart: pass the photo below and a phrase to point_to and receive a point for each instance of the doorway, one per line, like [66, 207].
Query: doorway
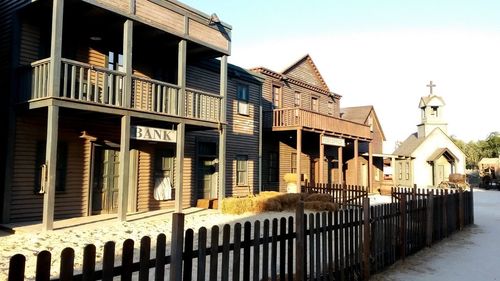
[207, 176]
[105, 180]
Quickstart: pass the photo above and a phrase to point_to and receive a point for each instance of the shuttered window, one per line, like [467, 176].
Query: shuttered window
[315, 104]
[276, 97]
[61, 170]
[243, 97]
[242, 169]
[296, 101]
[330, 108]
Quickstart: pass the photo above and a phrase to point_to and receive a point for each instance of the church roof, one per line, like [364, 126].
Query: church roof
[431, 100]
[440, 151]
[407, 147]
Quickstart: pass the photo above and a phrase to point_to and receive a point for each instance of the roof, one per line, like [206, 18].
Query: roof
[360, 114]
[490, 161]
[431, 100]
[409, 145]
[307, 59]
[440, 151]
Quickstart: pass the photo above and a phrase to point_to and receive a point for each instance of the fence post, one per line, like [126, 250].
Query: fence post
[430, 216]
[471, 204]
[414, 192]
[177, 246]
[300, 242]
[344, 193]
[445, 213]
[402, 229]
[366, 238]
[461, 209]
[17, 265]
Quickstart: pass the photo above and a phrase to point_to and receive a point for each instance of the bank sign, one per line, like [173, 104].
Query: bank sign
[152, 134]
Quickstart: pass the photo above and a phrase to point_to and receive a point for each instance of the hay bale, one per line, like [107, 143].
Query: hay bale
[237, 206]
[457, 178]
[321, 206]
[319, 197]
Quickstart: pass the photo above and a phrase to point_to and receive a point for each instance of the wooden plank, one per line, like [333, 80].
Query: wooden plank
[311, 246]
[88, 267]
[188, 254]
[177, 246]
[144, 257]
[290, 261]
[17, 267]
[214, 253]
[366, 239]
[226, 231]
[299, 242]
[127, 260]
[43, 266]
[108, 261]
[265, 250]
[202, 246]
[246, 250]
[282, 252]
[237, 252]
[51, 162]
[256, 251]
[274, 249]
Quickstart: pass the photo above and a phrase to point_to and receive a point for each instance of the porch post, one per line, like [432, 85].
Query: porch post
[321, 156]
[181, 127]
[56, 48]
[370, 166]
[179, 166]
[128, 28]
[356, 167]
[49, 183]
[299, 152]
[222, 131]
[123, 178]
[341, 164]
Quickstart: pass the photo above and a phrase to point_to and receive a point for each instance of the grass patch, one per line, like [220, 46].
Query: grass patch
[270, 201]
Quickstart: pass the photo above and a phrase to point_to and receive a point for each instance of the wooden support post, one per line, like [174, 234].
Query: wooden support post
[321, 159]
[49, 180]
[402, 230]
[341, 165]
[370, 167]
[356, 166]
[181, 78]
[179, 166]
[393, 166]
[299, 152]
[366, 238]
[123, 179]
[56, 48]
[128, 28]
[222, 131]
[177, 246]
[430, 219]
[300, 260]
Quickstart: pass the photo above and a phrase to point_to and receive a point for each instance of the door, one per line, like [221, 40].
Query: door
[440, 174]
[105, 181]
[207, 178]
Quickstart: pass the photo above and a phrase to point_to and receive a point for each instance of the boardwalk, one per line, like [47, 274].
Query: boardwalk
[469, 255]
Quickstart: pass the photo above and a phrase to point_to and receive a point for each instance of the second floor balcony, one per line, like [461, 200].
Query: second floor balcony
[284, 119]
[89, 84]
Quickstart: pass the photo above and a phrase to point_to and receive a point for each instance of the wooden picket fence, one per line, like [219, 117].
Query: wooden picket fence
[349, 244]
[343, 194]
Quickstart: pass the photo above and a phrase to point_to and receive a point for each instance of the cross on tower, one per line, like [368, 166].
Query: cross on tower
[431, 85]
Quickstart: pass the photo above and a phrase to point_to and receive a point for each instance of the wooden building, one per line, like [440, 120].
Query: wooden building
[304, 133]
[120, 106]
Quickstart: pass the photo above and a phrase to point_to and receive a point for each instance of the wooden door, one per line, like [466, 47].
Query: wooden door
[105, 181]
[207, 178]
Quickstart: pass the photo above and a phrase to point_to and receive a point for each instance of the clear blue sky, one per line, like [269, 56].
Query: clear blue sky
[381, 53]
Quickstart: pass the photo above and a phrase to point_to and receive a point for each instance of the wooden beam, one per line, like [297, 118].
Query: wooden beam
[356, 166]
[179, 166]
[321, 156]
[393, 165]
[222, 131]
[299, 152]
[181, 77]
[56, 48]
[49, 184]
[128, 28]
[123, 179]
[341, 164]
[370, 166]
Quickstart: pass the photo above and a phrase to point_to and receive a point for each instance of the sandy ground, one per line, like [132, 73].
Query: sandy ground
[473, 254]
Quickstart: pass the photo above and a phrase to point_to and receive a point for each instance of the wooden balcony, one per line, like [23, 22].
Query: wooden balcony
[284, 119]
[91, 84]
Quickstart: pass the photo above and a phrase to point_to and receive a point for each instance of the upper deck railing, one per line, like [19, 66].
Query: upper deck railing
[91, 84]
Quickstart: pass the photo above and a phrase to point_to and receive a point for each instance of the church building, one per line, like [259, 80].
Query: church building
[428, 156]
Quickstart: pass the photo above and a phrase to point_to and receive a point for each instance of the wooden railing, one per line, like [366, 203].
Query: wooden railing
[298, 117]
[202, 105]
[97, 85]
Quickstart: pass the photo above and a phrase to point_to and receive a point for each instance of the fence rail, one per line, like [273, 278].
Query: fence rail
[344, 195]
[349, 244]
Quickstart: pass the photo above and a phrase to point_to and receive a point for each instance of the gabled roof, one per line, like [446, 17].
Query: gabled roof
[431, 100]
[407, 147]
[440, 151]
[305, 65]
[360, 114]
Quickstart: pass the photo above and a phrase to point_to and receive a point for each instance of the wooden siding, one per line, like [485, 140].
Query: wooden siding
[151, 12]
[307, 73]
[30, 42]
[207, 34]
[121, 5]
[285, 159]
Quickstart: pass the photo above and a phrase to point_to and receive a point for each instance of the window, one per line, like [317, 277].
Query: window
[276, 97]
[434, 111]
[243, 97]
[273, 167]
[314, 104]
[62, 155]
[400, 172]
[293, 163]
[330, 108]
[164, 174]
[296, 101]
[242, 170]
[370, 123]
[407, 170]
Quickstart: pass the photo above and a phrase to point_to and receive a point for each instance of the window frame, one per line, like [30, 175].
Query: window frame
[315, 98]
[242, 171]
[61, 169]
[243, 100]
[400, 172]
[330, 107]
[297, 99]
[293, 163]
[277, 97]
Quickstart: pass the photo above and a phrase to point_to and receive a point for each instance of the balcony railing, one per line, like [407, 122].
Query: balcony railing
[293, 118]
[97, 85]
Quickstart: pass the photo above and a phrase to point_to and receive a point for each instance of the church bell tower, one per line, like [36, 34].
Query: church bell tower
[431, 108]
